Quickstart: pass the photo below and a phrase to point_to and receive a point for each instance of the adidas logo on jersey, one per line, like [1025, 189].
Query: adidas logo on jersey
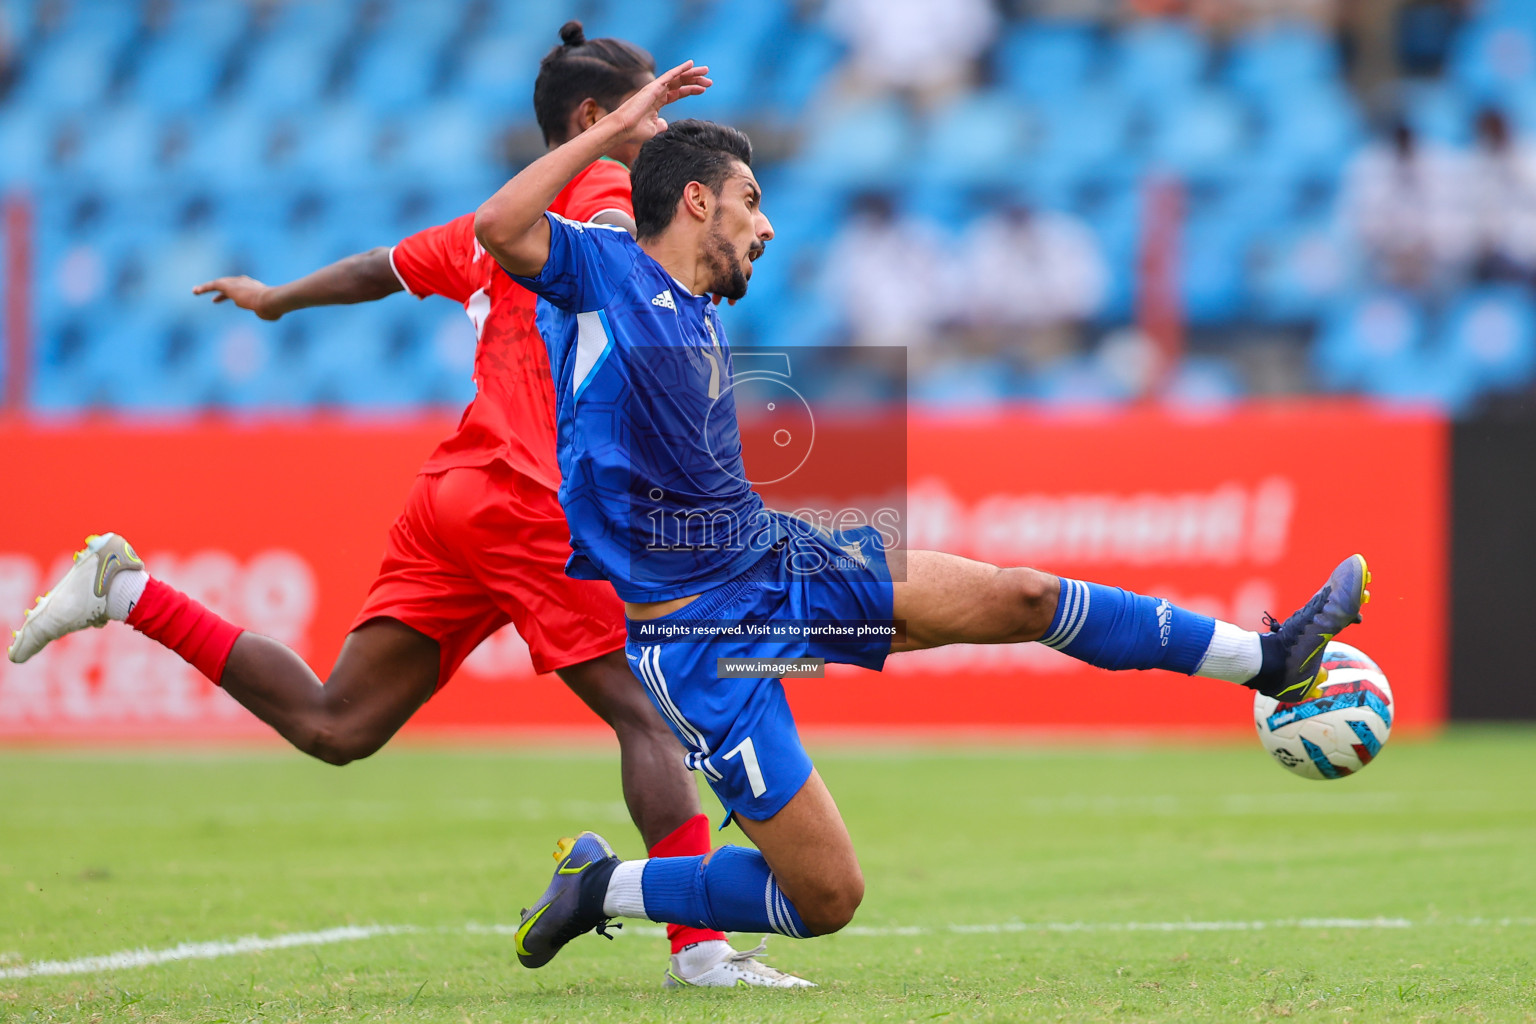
[664, 300]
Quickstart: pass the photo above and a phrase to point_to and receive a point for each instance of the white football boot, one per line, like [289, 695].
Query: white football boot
[76, 601]
[720, 966]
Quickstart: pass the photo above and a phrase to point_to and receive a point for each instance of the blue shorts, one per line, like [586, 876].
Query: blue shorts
[816, 589]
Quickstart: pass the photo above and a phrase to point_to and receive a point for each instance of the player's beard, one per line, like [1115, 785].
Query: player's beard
[729, 280]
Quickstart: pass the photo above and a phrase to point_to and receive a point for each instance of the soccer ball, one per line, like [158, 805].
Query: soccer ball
[1339, 731]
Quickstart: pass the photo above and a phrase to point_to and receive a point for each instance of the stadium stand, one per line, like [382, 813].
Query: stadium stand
[171, 141]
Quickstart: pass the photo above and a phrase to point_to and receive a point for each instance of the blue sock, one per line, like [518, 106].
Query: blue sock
[1116, 629]
[733, 892]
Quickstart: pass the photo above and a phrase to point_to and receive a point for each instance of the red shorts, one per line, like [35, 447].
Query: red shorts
[478, 548]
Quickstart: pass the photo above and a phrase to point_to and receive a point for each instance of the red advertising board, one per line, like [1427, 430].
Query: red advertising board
[280, 527]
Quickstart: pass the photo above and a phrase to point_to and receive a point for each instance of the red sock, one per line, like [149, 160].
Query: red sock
[690, 840]
[175, 620]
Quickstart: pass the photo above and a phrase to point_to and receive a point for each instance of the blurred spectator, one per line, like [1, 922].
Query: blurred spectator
[1501, 187]
[929, 49]
[1405, 203]
[887, 274]
[1032, 279]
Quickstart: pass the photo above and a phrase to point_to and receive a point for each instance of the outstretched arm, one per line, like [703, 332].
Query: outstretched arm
[511, 223]
[363, 277]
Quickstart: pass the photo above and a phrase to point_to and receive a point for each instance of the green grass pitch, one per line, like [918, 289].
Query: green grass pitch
[1122, 883]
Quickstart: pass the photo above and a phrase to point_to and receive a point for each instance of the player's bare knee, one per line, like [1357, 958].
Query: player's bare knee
[1034, 595]
[631, 716]
[827, 903]
[339, 744]
[831, 907]
[610, 689]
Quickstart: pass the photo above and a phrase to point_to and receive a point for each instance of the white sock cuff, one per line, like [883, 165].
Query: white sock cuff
[124, 593]
[1235, 654]
[625, 898]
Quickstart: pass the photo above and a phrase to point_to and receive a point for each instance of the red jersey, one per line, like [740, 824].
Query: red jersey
[512, 417]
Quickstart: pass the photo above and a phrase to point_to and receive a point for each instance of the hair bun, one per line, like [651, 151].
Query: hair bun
[571, 34]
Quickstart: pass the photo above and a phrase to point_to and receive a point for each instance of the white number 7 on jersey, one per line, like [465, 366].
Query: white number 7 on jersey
[749, 762]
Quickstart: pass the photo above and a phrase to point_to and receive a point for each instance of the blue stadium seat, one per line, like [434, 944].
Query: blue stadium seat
[181, 67]
[814, 318]
[284, 253]
[1300, 272]
[1044, 60]
[1423, 382]
[226, 148]
[130, 367]
[497, 72]
[337, 145]
[731, 39]
[1202, 132]
[445, 143]
[431, 19]
[1520, 104]
[119, 20]
[799, 67]
[326, 22]
[1203, 382]
[1277, 58]
[25, 139]
[531, 19]
[1116, 219]
[1088, 133]
[1212, 274]
[1253, 200]
[72, 72]
[354, 359]
[178, 72]
[20, 18]
[121, 145]
[397, 70]
[102, 355]
[174, 262]
[1310, 131]
[1365, 333]
[1438, 111]
[287, 73]
[1492, 334]
[214, 24]
[646, 23]
[968, 384]
[1517, 13]
[857, 144]
[975, 140]
[1077, 382]
[1491, 57]
[1158, 59]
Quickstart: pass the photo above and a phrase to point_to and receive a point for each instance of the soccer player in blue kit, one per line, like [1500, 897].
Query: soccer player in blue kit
[658, 503]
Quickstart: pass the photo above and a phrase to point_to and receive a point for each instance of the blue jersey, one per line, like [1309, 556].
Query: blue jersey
[652, 480]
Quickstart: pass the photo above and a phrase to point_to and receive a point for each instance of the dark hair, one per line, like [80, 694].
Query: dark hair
[605, 70]
[691, 150]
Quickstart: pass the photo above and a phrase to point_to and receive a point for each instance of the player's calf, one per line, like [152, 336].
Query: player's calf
[827, 904]
[947, 599]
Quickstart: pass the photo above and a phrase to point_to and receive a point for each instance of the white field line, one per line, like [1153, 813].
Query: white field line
[354, 933]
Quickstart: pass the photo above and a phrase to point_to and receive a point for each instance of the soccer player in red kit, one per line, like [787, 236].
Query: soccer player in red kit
[482, 540]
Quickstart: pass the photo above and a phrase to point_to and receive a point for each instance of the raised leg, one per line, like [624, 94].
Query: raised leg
[385, 672]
